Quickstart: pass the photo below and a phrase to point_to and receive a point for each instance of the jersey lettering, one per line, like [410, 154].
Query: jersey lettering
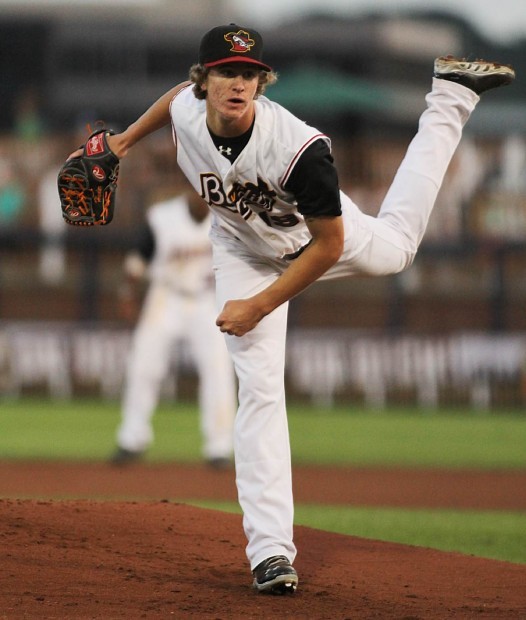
[212, 191]
[246, 200]
[260, 196]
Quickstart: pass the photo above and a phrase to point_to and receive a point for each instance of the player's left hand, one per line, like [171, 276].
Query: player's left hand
[239, 316]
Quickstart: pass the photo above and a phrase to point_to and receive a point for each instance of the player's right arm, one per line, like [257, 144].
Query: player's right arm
[135, 273]
[239, 316]
[314, 183]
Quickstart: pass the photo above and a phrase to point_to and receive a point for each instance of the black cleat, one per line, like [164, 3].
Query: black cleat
[122, 456]
[219, 463]
[275, 575]
[478, 75]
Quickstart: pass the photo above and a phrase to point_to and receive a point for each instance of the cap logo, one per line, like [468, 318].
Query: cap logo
[240, 41]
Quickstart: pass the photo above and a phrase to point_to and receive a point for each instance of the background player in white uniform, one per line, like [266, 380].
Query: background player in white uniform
[281, 223]
[175, 254]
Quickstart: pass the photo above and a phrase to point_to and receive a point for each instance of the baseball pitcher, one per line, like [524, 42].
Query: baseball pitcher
[279, 224]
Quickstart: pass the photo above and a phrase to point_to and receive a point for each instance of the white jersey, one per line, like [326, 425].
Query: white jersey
[247, 197]
[183, 252]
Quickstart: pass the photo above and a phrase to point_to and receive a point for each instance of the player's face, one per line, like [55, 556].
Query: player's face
[230, 96]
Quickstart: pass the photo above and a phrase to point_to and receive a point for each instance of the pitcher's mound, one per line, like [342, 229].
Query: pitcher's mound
[84, 559]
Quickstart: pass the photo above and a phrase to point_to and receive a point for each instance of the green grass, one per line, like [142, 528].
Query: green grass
[85, 430]
[452, 438]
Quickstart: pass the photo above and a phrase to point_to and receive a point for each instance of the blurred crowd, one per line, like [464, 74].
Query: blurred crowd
[483, 200]
[484, 195]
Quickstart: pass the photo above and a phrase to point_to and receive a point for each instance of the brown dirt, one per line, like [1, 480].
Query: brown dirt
[138, 556]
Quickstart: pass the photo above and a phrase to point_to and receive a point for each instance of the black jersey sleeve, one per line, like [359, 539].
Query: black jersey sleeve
[146, 243]
[314, 182]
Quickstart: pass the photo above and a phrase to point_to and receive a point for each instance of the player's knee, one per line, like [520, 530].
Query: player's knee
[262, 387]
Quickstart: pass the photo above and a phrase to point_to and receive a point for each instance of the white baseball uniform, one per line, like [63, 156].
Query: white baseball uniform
[256, 225]
[179, 304]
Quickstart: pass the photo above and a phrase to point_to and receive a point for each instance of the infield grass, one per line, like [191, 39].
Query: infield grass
[85, 429]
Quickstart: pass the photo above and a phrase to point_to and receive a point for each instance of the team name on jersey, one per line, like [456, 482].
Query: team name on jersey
[246, 200]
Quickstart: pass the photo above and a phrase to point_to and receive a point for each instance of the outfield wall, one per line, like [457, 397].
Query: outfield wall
[324, 366]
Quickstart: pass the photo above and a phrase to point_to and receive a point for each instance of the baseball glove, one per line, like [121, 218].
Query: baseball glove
[87, 184]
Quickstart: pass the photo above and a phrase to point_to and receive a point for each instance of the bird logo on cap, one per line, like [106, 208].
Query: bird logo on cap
[240, 41]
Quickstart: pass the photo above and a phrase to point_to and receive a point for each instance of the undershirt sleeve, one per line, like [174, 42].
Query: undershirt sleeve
[146, 244]
[314, 182]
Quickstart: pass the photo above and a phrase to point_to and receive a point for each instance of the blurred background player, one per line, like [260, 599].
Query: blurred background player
[175, 256]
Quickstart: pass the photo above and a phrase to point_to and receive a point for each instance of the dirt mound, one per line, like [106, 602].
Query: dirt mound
[80, 558]
[84, 559]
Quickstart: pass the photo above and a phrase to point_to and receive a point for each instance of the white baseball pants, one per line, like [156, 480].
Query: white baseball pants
[165, 318]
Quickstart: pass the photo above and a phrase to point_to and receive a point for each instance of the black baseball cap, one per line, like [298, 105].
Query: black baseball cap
[227, 44]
